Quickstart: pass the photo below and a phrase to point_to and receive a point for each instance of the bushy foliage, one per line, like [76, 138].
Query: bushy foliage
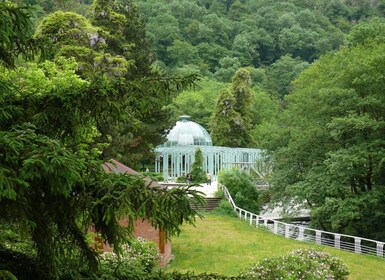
[155, 176]
[197, 172]
[224, 208]
[181, 179]
[135, 262]
[175, 275]
[241, 188]
[230, 123]
[53, 132]
[329, 147]
[299, 264]
[6, 275]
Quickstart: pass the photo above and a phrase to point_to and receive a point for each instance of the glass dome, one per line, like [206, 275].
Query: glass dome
[187, 133]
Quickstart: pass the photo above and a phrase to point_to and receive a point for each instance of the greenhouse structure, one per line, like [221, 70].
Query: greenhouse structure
[175, 157]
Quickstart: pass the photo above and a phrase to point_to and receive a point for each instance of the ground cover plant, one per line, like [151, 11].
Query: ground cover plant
[226, 245]
[299, 264]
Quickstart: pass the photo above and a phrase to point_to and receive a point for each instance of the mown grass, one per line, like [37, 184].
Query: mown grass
[226, 245]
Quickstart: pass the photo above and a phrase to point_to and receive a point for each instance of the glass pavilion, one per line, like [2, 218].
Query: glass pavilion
[176, 156]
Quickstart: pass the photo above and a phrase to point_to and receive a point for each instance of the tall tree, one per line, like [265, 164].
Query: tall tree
[198, 173]
[112, 49]
[52, 185]
[281, 73]
[231, 120]
[331, 148]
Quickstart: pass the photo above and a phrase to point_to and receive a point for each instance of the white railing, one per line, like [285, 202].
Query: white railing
[350, 243]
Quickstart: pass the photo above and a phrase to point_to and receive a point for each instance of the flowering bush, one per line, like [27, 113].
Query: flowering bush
[136, 261]
[299, 264]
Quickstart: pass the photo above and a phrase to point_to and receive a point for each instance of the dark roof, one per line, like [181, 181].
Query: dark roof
[119, 168]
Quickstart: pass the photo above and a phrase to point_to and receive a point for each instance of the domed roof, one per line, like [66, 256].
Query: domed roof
[187, 133]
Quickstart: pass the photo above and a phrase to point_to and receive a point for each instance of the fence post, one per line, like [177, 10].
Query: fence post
[240, 214]
[287, 231]
[251, 219]
[257, 221]
[275, 227]
[301, 231]
[265, 222]
[245, 215]
[357, 245]
[317, 237]
[337, 241]
[380, 249]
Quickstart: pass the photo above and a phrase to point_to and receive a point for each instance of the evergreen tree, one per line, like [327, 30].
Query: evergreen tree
[52, 185]
[114, 46]
[231, 120]
[16, 32]
[197, 172]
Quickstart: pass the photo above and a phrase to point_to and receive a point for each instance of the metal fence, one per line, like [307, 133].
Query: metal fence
[350, 243]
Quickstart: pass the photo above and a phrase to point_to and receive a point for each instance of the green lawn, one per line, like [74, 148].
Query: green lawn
[226, 245]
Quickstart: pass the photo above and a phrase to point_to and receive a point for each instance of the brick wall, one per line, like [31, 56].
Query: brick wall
[146, 231]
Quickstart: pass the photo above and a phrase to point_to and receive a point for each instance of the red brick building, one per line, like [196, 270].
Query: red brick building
[143, 228]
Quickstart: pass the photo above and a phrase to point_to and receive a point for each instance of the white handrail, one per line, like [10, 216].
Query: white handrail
[336, 240]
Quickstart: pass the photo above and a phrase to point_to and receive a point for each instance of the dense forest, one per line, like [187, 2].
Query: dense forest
[83, 81]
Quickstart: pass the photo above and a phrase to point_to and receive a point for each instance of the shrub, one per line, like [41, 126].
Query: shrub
[197, 172]
[181, 179]
[155, 176]
[176, 275]
[299, 264]
[136, 261]
[241, 188]
[224, 208]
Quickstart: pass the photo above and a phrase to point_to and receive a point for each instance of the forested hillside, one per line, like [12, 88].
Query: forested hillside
[215, 37]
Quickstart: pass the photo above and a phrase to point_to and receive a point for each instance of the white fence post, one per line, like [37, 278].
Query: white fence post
[287, 230]
[380, 249]
[275, 227]
[257, 221]
[317, 237]
[301, 232]
[265, 222]
[357, 245]
[337, 241]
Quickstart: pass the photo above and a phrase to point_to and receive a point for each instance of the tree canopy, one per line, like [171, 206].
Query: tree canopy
[230, 125]
[331, 148]
[52, 185]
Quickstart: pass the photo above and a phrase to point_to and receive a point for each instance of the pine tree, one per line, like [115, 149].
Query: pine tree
[231, 121]
[52, 185]
[197, 172]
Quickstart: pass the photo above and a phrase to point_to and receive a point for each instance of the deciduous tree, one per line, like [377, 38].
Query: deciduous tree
[332, 144]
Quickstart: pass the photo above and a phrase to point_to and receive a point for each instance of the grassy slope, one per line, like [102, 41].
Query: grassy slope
[226, 245]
